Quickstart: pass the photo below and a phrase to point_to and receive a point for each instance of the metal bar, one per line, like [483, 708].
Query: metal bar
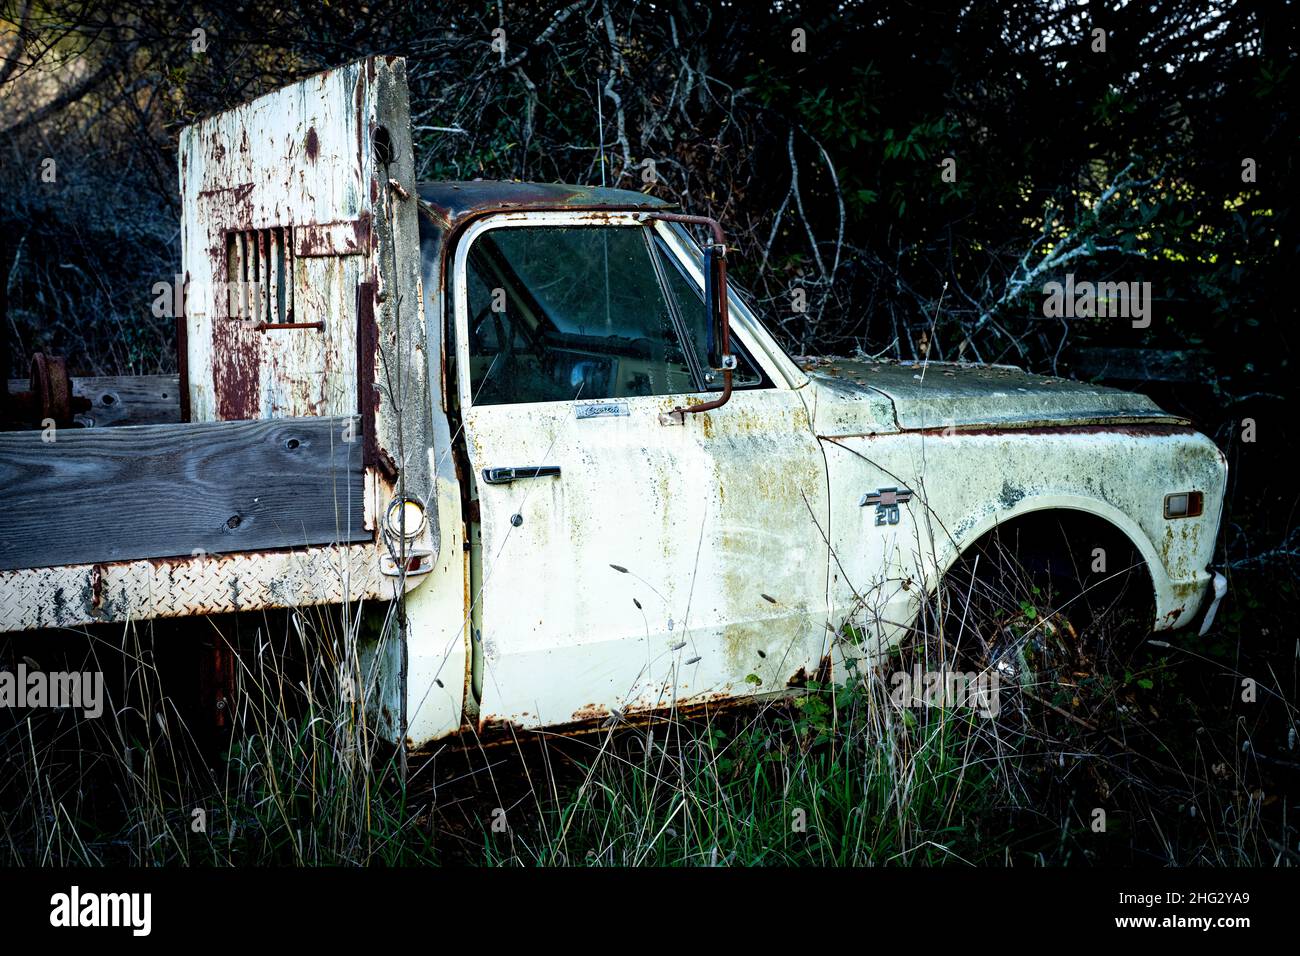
[273, 274]
[201, 584]
[277, 326]
[287, 245]
[719, 239]
[503, 476]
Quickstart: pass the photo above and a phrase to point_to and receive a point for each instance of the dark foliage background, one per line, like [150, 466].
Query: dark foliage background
[820, 134]
[1125, 163]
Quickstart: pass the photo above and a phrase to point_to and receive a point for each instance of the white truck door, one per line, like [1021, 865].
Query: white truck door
[625, 563]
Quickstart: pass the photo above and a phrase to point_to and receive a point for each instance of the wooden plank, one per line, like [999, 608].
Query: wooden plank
[124, 399]
[150, 491]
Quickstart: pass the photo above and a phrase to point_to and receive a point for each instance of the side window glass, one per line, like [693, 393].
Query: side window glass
[689, 299]
[558, 313]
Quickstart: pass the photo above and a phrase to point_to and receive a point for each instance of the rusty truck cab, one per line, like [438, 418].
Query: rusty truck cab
[575, 505]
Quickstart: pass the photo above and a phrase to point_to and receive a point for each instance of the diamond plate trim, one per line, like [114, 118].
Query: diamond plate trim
[176, 587]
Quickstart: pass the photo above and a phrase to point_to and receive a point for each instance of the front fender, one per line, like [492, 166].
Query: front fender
[966, 483]
[1172, 606]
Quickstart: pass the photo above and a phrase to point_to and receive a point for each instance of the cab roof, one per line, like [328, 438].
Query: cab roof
[454, 202]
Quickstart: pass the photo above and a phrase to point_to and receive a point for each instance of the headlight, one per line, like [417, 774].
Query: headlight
[405, 518]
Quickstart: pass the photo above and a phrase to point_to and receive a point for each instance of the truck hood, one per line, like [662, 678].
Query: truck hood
[944, 394]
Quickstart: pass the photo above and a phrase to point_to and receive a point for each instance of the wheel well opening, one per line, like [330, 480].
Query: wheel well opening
[1069, 558]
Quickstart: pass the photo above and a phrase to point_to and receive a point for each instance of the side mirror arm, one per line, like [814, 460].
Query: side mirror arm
[715, 252]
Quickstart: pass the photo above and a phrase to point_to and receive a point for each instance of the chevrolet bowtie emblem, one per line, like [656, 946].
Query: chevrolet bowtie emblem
[886, 501]
[886, 496]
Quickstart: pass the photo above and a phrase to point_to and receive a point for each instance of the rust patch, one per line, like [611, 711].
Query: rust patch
[341, 238]
[236, 367]
[823, 675]
[368, 396]
[494, 729]
[97, 588]
[454, 204]
[359, 109]
[230, 194]
[231, 206]
[1135, 429]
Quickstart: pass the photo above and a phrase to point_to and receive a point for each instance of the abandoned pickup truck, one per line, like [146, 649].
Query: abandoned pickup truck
[537, 416]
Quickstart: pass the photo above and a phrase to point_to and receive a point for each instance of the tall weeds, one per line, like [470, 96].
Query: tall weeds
[840, 774]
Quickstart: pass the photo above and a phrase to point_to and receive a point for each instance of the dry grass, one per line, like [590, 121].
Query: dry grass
[837, 775]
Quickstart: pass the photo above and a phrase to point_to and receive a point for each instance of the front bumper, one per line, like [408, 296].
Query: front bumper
[1219, 587]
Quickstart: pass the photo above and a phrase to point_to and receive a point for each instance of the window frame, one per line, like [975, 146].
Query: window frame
[659, 250]
[768, 356]
[774, 374]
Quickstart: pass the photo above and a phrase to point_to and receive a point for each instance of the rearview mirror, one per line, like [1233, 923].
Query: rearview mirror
[715, 300]
[718, 345]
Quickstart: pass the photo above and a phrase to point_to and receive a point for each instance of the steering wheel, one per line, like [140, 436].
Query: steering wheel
[508, 348]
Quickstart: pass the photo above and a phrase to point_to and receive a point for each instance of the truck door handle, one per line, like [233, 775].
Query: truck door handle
[503, 476]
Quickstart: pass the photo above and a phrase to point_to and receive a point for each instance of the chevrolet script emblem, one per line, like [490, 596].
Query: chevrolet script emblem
[886, 501]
